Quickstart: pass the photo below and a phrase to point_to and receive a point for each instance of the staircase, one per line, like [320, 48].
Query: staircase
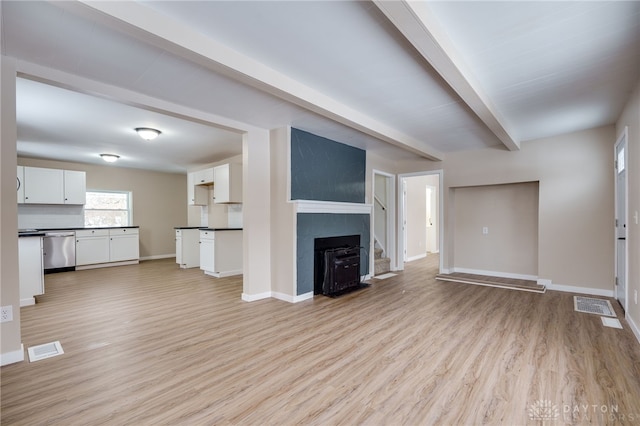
[382, 264]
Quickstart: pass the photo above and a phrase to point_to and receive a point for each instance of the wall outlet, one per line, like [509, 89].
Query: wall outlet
[635, 296]
[6, 313]
[485, 230]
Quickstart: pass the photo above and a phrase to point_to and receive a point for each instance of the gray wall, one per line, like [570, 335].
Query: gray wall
[325, 170]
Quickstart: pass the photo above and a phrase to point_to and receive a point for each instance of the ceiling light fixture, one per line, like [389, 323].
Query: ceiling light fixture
[110, 158]
[147, 133]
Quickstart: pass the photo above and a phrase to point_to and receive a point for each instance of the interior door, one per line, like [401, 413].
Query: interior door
[621, 220]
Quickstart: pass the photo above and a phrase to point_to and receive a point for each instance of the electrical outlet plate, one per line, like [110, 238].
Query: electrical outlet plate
[6, 313]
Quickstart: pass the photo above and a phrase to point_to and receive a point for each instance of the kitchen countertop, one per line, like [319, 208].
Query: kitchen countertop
[207, 229]
[41, 232]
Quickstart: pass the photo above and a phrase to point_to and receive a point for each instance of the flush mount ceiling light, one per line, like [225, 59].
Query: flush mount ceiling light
[147, 133]
[110, 158]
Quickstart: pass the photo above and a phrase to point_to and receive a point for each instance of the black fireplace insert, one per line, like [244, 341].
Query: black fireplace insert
[337, 265]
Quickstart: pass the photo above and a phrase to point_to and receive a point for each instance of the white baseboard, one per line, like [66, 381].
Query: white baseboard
[29, 301]
[158, 256]
[292, 299]
[253, 297]
[634, 327]
[12, 357]
[495, 274]
[224, 274]
[581, 290]
[106, 265]
[412, 258]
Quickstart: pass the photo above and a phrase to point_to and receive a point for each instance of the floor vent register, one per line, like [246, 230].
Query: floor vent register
[592, 305]
[48, 350]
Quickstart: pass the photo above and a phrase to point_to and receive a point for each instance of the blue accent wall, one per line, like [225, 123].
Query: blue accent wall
[325, 170]
[321, 225]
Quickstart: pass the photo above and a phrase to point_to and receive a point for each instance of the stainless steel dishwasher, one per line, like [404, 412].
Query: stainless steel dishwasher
[59, 249]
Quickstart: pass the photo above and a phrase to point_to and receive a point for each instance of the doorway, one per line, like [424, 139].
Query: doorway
[621, 252]
[383, 237]
[420, 211]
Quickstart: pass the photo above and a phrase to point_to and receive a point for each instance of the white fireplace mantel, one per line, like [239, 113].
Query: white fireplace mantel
[313, 206]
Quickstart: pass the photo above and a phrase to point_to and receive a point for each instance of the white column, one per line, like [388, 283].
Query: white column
[256, 211]
[10, 342]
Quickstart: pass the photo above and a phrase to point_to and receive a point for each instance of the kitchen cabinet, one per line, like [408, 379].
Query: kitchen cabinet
[20, 184]
[203, 177]
[53, 186]
[92, 246]
[97, 248]
[75, 187]
[43, 186]
[31, 269]
[227, 183]
[197, 195]
[124, 244]
[188, 248]
[221, 252]
[207, 251]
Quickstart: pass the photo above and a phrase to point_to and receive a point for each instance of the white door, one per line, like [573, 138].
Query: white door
[404, 220]
[432, 240]
[621, 219]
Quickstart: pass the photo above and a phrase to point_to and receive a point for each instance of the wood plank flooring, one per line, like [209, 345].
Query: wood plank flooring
[151, 344]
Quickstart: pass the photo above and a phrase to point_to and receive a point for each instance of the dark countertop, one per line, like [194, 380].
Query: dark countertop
[201, 228]
[31, 234]
[41, 231]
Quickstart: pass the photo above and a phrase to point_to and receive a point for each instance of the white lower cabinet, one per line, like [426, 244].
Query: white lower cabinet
[188, 248]
[221, 252]
[30, 269]
[106, 247]
[124, 244]
[92, 246]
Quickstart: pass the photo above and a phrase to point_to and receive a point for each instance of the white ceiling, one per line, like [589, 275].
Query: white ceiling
[363, 73]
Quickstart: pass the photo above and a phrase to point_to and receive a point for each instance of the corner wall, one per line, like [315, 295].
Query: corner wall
[575, 232]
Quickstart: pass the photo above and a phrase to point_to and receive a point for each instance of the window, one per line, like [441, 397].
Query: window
[621, 164]
[108, 208]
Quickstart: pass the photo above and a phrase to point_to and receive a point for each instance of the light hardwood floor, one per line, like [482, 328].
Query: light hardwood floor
[151, 344]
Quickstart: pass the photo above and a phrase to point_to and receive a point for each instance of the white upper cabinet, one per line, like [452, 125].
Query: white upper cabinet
[75, 187]
[52, 186]
[197, 194]
[228, 183]
[20, 184]
[43, 186]
[203, 177]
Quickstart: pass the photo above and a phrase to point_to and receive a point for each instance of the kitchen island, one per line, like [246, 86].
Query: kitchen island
[221, 251]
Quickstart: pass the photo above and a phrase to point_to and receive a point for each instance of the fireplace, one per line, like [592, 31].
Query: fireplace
[337, 265]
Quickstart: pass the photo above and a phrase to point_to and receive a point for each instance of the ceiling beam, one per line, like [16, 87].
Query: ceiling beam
[417, 23]
[180, 39]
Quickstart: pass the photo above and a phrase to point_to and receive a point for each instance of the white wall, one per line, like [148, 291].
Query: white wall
[10, 339]
[575, 172]
[283, 223]
[416, 217]
[630, 118]
[510, 215]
